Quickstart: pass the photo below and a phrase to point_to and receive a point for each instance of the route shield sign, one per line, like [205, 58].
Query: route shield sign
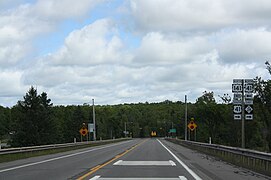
[237, 109]
[237, 98]
[249, 88]
[249, 109]
[237, 88]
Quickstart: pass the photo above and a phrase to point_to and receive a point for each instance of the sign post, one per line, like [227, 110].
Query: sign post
[243, 102]
[192, 126]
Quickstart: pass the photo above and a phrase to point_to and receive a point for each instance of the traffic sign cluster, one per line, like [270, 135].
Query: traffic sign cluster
[243, 98]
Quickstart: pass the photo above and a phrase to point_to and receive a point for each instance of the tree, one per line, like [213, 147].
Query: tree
[34, 125]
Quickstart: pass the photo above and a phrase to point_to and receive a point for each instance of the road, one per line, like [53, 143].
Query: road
[134, 159]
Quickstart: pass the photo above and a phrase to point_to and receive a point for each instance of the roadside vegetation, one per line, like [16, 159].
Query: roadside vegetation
[35, 121]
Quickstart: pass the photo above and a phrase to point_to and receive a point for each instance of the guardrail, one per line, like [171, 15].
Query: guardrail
[53, 146]
[251, 159]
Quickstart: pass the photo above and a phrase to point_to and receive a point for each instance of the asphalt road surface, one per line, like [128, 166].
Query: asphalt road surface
[136, 159]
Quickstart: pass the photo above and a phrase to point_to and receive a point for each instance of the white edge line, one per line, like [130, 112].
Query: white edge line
[117, 163]
[95, 177]
[172, 163]
[61, 157]
[184, 165]
[182, 178]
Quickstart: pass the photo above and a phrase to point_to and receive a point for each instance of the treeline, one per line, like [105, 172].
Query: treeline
[35, 121]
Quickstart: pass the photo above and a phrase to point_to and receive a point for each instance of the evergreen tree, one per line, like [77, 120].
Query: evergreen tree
[34, 125]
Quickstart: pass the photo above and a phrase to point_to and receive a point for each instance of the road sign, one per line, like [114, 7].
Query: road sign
[172, 131]
[249, 88]
[90, 127]
[153, 133]
[83, 131]
[237, 116]
[248, 96]
[237, 98]
[237, 88]
[237, 81]
[248, 101]
[249, 116]
[249, 109]
[192, 125]
[249, 81]
[237, 109]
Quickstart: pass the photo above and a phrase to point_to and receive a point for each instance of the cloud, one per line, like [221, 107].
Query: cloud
[58, 10]
[160, 50]
[198, 16]
[9, 83]
[94, 44]
[19, 26]
[244, 46]
[157, 48]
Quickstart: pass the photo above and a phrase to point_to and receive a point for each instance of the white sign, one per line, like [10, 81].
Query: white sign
[248, 101]
[237, 88]
[237, 117]
[90, 127]
[237, 109]
[249, 81]
[249, 117]
[237, 98]
[249, 88]
[249, 109]
[249, 96]
[238, 81]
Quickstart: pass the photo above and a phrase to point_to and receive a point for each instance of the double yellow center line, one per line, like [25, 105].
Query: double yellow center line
[96, 168]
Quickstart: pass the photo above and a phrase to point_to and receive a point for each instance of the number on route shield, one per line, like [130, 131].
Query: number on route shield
[237, 88]
[237, 109]
[248, 88]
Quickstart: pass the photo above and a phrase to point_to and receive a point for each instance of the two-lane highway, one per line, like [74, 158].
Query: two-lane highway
[68, 165]
[150, 159]
[135, 159]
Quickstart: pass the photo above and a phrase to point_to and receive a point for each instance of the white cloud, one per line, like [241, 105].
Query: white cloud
[184, 47]
[245, 45]
[197, 15]
[97, 43]
[10, 83]
[19, 26]
[157, 48]
[57, 10]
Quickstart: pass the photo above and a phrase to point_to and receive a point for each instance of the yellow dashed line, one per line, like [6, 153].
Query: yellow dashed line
[96, 168]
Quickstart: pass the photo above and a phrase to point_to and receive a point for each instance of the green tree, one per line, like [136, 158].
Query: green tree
[34, 125]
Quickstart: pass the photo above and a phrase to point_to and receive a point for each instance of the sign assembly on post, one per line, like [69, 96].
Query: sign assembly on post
[243, 96]
[243, 102]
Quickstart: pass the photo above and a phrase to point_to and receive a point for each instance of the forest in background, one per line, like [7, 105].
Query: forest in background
[35, 121]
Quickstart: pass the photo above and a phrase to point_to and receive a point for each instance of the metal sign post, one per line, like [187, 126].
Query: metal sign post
[94, 123]
[185, 125]
[243, 102]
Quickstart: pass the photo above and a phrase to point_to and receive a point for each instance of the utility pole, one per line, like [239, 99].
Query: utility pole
[185, 124]
[94, 123]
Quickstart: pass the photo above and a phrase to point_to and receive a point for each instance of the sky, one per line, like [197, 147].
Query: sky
[130, 51]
